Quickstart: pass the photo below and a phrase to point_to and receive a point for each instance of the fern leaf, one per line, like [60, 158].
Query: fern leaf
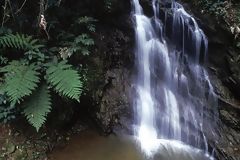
[19, 41]
[86, 20]
[20, 80]
[64, 79]
[84, 39]
[37, 107]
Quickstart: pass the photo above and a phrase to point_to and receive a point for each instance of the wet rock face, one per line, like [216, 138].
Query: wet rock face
[223, 54]
[113, 110]
[224, 72]
[111, 94]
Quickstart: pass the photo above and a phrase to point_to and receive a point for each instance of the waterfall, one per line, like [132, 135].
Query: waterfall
[173, 87]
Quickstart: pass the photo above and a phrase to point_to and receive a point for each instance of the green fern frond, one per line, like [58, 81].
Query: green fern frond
[82, 44]
[86, 20]
[84, 39]
[37, 107]
[22, 42]
[3, 60]
[19, 41]
[64, 79]
[89, 22]
[20, 80]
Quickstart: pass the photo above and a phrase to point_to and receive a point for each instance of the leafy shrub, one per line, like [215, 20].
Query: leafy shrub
[7, 112]
[226, 11]
[108, 5]
[81, 45]
[218, 8]
[27, 83]
[22, 42]
[89, 22]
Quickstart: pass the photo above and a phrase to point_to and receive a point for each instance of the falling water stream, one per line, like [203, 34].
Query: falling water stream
[172, 85]
[175, 103]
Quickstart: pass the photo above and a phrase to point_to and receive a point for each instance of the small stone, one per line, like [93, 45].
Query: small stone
[16, 134]
[11, 148]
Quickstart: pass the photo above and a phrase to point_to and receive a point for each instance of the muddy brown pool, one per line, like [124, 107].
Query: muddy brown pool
[91, 146]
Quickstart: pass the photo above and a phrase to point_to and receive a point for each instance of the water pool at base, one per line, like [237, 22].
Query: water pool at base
[91, 146]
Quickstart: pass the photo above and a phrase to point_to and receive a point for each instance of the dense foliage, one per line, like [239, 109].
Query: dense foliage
[21, 79]
[227, 12]
[224, 10]
[38, 62]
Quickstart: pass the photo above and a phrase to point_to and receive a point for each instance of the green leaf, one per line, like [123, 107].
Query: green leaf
[238, 44]
[37, 107]
[64, 80]
[20, 80]
[21, 42]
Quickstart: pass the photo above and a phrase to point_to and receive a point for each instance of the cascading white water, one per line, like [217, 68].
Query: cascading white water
[144, 34]
[173, 88]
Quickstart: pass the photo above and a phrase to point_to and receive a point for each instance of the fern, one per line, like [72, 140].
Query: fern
[20, 80]
[64, 79]
[82, 43]
[21, 42]
[84, 39]
[3, 60]
[37, 107]
[89, 22]
[7, 112]
[108, 5]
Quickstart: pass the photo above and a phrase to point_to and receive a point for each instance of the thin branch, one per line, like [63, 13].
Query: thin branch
[19, 10]
[4, 12]
[10, 6]
[59, 2]
[46, 5]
